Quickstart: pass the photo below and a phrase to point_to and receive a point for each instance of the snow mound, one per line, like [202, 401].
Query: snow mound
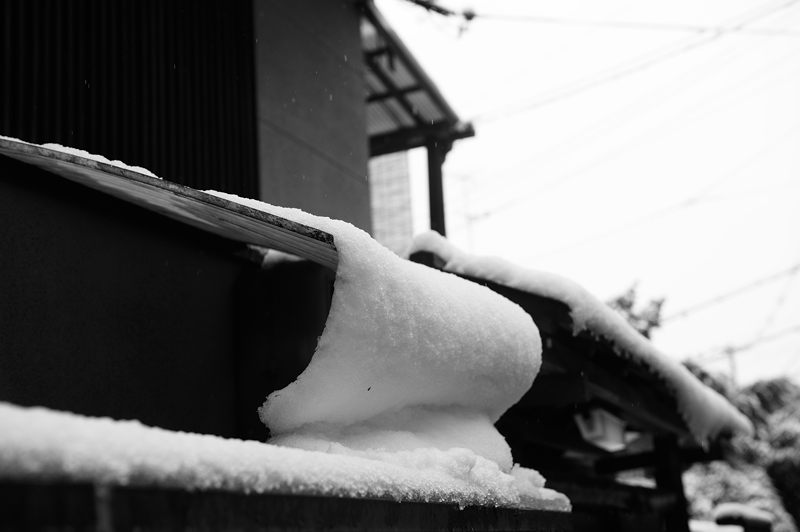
[410, 360]
[706, 413]
[42, 444]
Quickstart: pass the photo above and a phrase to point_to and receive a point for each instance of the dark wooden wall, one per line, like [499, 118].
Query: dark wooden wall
[164, 84]
[108, 309]
[312, 131]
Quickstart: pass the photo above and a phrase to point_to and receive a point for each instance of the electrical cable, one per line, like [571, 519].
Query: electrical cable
[757, 82]
[731, 294]
[637, 25]
[777, 305]
[634, 66]
[643, 106]
[469, 15]
[693, 201]
[787, 135]
[728, 351]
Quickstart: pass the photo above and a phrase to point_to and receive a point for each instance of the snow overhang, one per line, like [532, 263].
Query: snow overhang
[405, 109]
[591, 358]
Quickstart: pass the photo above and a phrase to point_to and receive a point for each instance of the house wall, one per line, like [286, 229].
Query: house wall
[163, 84]
[108, 309]
[170, 85]
[312, 141]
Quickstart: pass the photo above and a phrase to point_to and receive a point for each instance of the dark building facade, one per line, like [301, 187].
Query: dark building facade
[164, 85]
[269, 99]
[263, 99]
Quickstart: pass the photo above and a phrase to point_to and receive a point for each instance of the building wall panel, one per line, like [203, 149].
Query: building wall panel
[164, 84]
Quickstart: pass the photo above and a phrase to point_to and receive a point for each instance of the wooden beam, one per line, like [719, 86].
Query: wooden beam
[409, 138]
[379, 97]
[437, 151]
[210, 213]
[399, 49]
[392, 88]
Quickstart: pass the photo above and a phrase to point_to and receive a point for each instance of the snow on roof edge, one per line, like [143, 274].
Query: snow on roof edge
[707, 414]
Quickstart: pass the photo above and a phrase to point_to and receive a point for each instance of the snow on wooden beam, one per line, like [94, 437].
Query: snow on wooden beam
[210, 213]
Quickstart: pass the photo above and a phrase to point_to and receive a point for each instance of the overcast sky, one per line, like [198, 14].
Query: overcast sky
[623, 142]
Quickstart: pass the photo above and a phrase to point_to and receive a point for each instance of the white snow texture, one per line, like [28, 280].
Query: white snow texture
[48, 445]
[706, 413]
[410, 359]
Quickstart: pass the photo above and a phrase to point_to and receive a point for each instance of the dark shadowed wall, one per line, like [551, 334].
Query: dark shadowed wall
[164, 84]
[107, 309]
[261, 98]
[312, 141]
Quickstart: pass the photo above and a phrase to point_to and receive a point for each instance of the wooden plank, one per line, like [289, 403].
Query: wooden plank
[193, 207]
[86, 507]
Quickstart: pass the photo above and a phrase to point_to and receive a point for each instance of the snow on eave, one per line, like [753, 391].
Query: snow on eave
[706, 413]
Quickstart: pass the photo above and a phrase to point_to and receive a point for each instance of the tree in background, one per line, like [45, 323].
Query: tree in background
[643, 318]
[761, 470]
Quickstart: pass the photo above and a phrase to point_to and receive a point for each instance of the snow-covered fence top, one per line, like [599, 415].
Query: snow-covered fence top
[706, 413]
[413, 368]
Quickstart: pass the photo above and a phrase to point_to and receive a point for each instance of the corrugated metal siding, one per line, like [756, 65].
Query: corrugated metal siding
[164, 84]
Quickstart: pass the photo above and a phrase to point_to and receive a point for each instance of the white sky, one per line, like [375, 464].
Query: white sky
[613, 155]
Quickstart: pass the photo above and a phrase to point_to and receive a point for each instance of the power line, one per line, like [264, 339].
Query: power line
[731, 294]
[637, 109]
[731, 350]
[690, 202]
[637, 25]
[638, 64]
[469, 15]
[777, 306]
[622, 71]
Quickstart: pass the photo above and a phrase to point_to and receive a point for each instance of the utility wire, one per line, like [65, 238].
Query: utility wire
[731, 294]
[701, 197]
[617, 120]
[469, 15]
[638, 64]
[731, 350]
[634, 25]
[690, 202]
[777, 306]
